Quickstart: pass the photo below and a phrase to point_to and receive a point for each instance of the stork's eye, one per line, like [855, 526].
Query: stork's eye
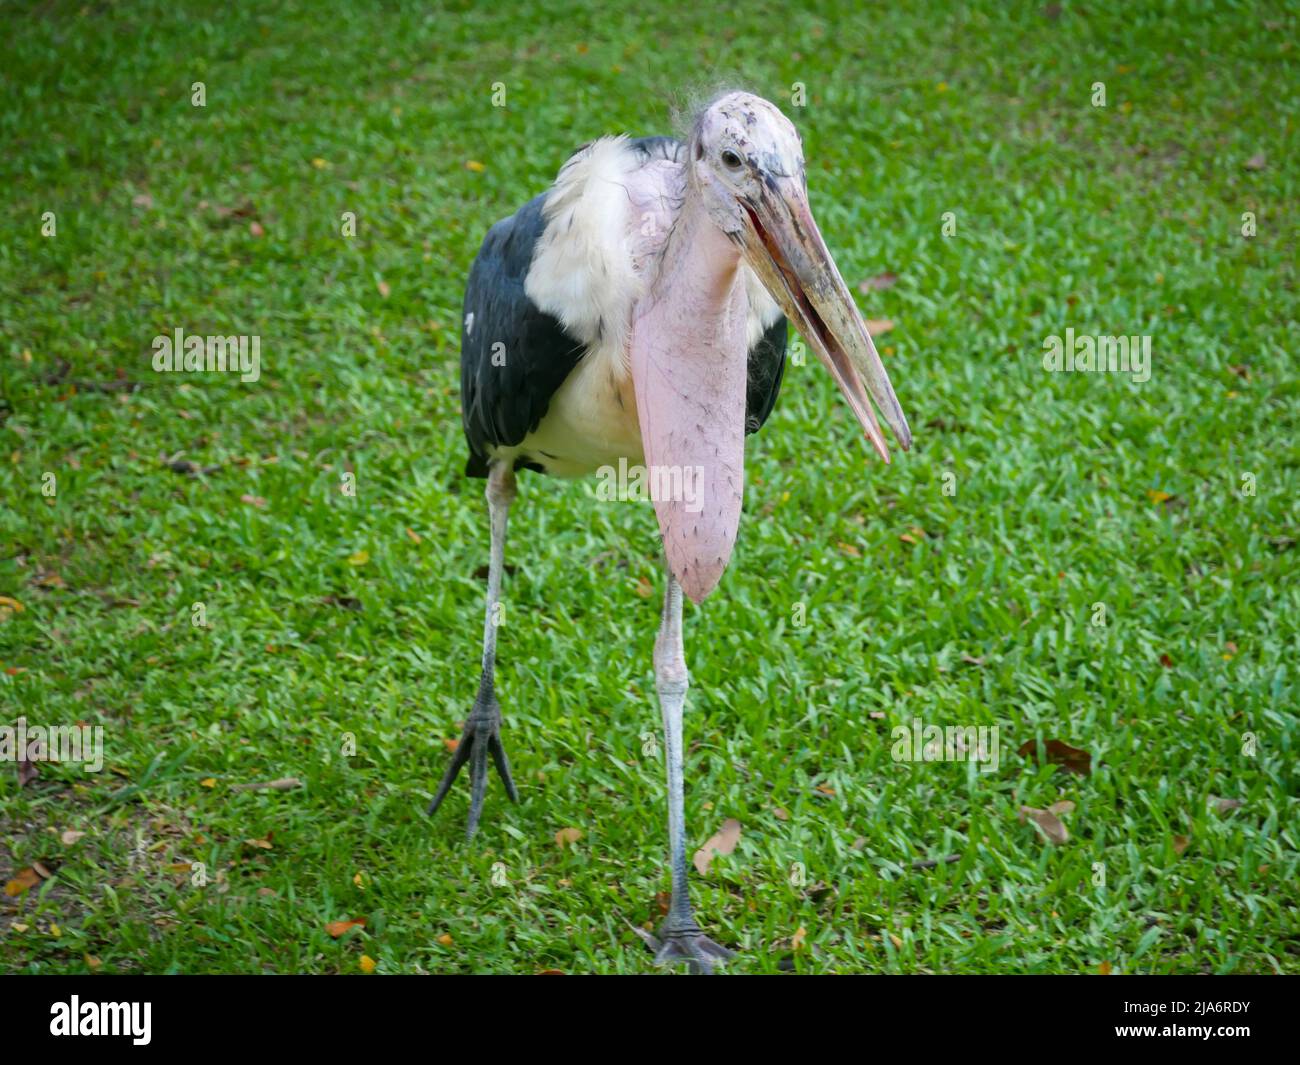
[730, 160]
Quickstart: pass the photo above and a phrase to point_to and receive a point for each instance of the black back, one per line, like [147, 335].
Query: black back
[502, 404]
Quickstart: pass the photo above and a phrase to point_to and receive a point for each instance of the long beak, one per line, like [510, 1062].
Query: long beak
[785, 249]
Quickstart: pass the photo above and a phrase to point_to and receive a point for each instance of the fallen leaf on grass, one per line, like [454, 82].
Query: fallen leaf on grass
[367, 964]
[208, 782]
[91, 961]
[567, 835]
[881, 281]
[1257, 161]
[261, 844]
[70, 837]
[359, 558]
[384, 290]
[474, 165]
[1181, 843]
[1047, 822]
[1072, 759]
[283, 784]
[796, 940]
[414, 536]
[721, 842]
[252, 500]
[1224, 805]
[878, 326]
[445, 939]
[1104, 968]
[25, 880]
[337, 928]
[644, 588]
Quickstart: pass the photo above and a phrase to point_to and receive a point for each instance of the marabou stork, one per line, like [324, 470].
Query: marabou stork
[637, 310]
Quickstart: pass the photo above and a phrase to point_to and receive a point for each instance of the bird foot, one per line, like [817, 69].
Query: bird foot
[682, 941]
[481, 737]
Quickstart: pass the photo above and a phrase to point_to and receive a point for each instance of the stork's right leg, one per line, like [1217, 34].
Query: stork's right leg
[482, 734]
[680, 938]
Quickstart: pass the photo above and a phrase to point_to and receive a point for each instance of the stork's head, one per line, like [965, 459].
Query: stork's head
[746, 163]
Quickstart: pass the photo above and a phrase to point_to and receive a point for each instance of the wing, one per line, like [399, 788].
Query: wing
[513, 356]
[766, 368]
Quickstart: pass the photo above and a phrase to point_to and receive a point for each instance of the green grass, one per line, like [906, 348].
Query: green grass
[1117, 220]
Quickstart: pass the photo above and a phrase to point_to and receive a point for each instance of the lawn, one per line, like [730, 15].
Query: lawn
[243, 582]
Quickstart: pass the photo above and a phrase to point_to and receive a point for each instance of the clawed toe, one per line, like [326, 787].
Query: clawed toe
[480, 738]
[685, 943]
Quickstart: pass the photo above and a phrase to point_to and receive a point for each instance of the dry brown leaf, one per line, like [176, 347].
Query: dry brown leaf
[796, 940]
[25, 880]
[252, 500]
[384, 290]
[70, 837]
[1065, 806]
[1072, 759]
[1104, 968]
[1048, 823]
[644, 588]
[445, 939]
[282, 784]
[1224, 805]
[337, 928]
[1181, 843]
[781, 813]
[1257, 161]
[881, 281]
[414, 536]
[721, 842]
[567, 835]
[878, 326]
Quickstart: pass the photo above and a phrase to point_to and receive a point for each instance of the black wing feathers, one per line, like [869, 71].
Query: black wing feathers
[766, 368]
[503, 403]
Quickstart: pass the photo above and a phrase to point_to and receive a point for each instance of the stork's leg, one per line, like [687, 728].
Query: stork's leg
[680, 938]
[482, 734]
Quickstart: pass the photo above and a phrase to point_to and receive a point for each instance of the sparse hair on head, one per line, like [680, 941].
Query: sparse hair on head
[688, 107]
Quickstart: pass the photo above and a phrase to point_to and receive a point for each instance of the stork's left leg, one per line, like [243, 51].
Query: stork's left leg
[482, 734]
[680, 938]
